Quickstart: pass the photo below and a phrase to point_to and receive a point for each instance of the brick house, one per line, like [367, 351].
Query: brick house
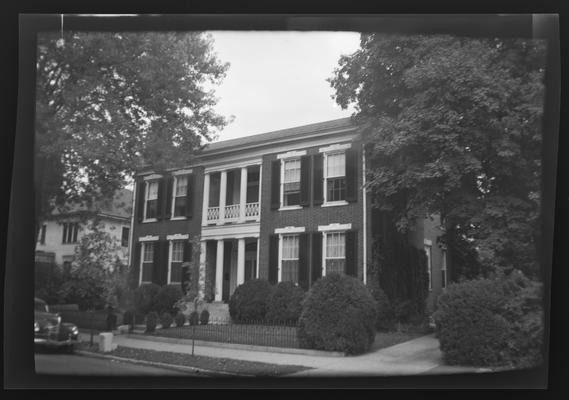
[286, 205]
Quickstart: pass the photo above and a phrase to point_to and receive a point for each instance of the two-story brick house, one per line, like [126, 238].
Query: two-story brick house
[287, 205]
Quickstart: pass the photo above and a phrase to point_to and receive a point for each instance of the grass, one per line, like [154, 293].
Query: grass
[224, 365]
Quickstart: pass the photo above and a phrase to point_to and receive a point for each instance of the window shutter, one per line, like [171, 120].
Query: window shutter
[303, 261]
[190, 197]
[164, 246]
[160, 201]
[273, 258]
[351, 175]
[316, 256]
[75, 228]
[140, 199]
[352, 253]
[305, 181]
[187, 251]
[169, 190]
[156, 262]
[318, 180]
[275, 184]
[43, 229]
[135, 267]
[63, 240]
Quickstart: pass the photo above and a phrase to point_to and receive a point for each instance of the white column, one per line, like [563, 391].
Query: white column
[258, 249]
[205, 199]
[243, 194]
[201, 279]
[240, 261]
[219, 271]
[222, 197]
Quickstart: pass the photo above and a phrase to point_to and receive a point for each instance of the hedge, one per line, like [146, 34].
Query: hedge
[249, 301]
[284, 305]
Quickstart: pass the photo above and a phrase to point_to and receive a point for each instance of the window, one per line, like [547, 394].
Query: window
[444, 269]
[429, 266]
[180, 195]
[41, 234]
[151, 199]
[147, 261]
[177, 247]
[70, 230]
[291, 182]
[335, 252]
[335, 177]
[124, 236]
[289, 258]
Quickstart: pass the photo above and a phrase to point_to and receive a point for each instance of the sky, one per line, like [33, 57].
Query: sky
[277, 80]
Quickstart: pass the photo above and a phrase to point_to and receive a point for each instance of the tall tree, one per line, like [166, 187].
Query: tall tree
[455, 129]
[109, 102]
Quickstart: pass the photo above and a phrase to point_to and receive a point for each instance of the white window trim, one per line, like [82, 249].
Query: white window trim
[334, 227]
[444, 268]
[178, 236]
[427, 242]
[331, 150]
[288, 208]
[148, 238]
[182, 172]
[140, 281]
[171, 240]
[280, 270]
[291, 154]
[429, 251]
[290, 230]
[174, 188]
[147, 180]
[324, 238]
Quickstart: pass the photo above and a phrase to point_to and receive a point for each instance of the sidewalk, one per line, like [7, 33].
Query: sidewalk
[417, 356]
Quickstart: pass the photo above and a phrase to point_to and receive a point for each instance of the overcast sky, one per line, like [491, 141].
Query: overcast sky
[277, 80]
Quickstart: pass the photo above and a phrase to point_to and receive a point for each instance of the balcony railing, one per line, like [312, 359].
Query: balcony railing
[232, 212]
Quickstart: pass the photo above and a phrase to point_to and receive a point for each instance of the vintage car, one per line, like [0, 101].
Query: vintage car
[50, 331]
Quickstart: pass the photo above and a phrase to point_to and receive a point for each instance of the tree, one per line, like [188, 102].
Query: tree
[109, 102]
[454, 126]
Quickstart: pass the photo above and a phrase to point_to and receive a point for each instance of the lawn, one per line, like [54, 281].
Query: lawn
[224, 365]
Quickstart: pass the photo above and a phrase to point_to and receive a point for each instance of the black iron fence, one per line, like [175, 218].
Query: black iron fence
[259, 333]
[97, 320]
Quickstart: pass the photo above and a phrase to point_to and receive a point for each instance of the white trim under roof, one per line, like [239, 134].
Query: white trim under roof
[182, 172]
[427, 242]
[233, 165]
[148, 238]
[152, 176]
[291, 229]
[178, 236]
[334, 227]
[291, 154]
[335, 147]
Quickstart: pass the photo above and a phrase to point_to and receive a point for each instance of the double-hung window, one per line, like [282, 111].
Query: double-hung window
[444, 269]
[428, 251]
[70, 230]
[177, 257]
[335, 179]
[124, 236]
[289, 258]
[151, 199]
[41, 234]
[335, 252]
[180, 196]
[291, 182]
[147, 261]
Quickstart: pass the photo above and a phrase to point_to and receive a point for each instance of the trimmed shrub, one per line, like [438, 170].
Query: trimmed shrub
[145, 298]
[338, 314]
[385, 320]
[151, 321]
[166, 320]
[194, 318]
[284, 305]
[167, 298]
[180, 319]
[204, 317]
[128, 317]
[249, 301]
[487, 322]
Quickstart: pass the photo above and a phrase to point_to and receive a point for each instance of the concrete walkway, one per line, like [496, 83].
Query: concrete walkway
[417, 356]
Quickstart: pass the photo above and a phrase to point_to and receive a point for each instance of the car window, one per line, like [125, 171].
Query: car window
[41, 307]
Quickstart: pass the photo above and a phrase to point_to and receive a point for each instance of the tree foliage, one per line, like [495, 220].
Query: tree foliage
[455, 128]
[107, 102]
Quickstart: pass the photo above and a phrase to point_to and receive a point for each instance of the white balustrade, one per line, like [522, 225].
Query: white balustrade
[213, 213]
[232, 212]
[252, 210]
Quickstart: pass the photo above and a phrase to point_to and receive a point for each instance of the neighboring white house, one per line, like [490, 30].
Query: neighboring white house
[58, 236]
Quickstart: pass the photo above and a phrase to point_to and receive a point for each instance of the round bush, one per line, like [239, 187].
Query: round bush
[166, 320]
[145, 298]
[284, 305]
[385, 315]
[486, 322]
[167, 298]
[180, 319]
[338, 314]
[204, 317]
[249, 301]
[194, 318]
[151, 321]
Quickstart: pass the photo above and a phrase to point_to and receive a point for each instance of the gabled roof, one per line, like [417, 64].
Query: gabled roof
[298, 131]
